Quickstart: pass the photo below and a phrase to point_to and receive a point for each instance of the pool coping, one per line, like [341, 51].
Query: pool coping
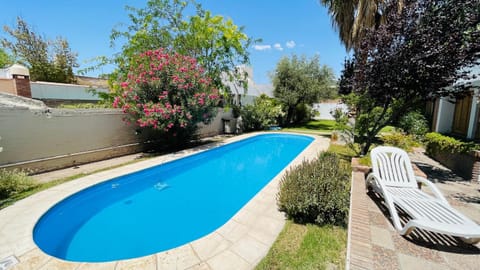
[239, 244]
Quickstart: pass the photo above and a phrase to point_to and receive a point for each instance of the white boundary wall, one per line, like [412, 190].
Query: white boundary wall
[47, 139]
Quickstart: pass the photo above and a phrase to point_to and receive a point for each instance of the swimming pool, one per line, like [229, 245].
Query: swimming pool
[164, 206]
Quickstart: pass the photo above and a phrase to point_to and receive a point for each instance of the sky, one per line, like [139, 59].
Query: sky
[301, 27]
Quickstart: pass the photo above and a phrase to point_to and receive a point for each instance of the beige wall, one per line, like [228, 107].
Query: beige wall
[7, 86]
[42, 141]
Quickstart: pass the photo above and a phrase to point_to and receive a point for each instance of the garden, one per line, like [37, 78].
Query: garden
[166, 85]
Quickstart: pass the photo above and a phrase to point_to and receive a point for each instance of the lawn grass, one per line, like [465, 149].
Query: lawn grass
[322, 127]
[307, 247]
[347, 153]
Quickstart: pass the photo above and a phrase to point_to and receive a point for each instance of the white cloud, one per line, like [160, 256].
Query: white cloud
[290, 44]
[262, 47]
[277, 46]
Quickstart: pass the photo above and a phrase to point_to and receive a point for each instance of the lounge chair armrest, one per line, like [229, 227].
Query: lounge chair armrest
[432, 187]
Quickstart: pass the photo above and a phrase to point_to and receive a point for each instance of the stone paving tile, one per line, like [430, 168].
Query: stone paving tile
[412, 262]
[233, 231]
[55, 264]
[384, 258]
[381, 237]
[210, 245]
[97, 266]
[34, 259]
[228, 260]
[250, 249]
[461, 261]
[179, 258]
[144, 263]
[200, 266]
[404, 246]
[378, 219]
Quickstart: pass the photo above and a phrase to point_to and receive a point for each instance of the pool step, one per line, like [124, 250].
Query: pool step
[8, 262]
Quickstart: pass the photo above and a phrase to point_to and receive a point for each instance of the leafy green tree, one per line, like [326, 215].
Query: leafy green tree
[299, 81]
[418, 54]
[217, 43]
[5, 59]
[51, 61]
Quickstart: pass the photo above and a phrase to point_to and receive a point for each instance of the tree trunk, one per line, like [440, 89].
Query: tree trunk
[366, 147]
[290, 112]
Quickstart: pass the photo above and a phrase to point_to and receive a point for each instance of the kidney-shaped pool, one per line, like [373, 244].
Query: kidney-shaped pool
[164, 206]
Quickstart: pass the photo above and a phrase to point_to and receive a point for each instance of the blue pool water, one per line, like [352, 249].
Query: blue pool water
[164, 206]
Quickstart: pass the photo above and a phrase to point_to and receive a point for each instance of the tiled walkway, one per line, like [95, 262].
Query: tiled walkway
[239, 244]
[374, 243]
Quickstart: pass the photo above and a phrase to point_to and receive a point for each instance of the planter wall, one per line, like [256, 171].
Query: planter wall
[466, 165]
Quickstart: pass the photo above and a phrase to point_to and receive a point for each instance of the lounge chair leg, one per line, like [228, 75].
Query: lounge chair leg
[471, 241]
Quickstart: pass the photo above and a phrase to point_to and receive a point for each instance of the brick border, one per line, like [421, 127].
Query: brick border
[359, 243]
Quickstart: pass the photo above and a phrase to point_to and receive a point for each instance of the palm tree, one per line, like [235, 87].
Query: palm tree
[351, 17]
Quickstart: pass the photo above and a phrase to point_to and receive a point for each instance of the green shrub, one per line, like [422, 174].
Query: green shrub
[400, 140]
[13, 182]
[263, 113]
[303, 113]
[414, 123]
[437, 142]
[317, 191]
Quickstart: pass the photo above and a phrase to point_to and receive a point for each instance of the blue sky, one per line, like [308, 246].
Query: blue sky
[302, 27]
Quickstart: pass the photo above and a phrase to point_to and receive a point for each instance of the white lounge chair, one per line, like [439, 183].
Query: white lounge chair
[392, 177]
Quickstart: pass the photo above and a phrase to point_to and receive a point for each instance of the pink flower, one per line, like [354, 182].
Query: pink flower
[116, 101]
[124, 84]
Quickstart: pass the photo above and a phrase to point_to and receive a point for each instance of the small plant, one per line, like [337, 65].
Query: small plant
[414, 123]
[400, 140]
[13, 182]
[317, 191]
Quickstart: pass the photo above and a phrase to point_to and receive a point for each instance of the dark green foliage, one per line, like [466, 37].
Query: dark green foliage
[303, 113]
[414, 123]
[416, 55]
[317, 191]
[5, 59]
[13, 182]
[47, 60]
[186, 28]
[299, 81]
[438, 142]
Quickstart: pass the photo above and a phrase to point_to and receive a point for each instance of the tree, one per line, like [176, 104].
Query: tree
[169, 93]
[352, 17]
[300, 81]
[217, 43]
[418, 54]
[5, 59]
[47, 60]
[64, 60]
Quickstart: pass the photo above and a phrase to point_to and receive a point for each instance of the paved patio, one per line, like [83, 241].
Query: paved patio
[239, 244]
[374, 243]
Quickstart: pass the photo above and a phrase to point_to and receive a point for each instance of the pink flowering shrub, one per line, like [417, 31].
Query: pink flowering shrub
[167, 92]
